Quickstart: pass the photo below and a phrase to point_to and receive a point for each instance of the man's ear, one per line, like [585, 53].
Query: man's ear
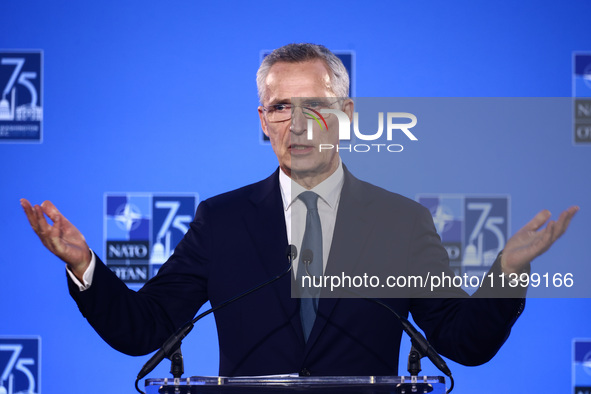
[348, 108]
[263, 122]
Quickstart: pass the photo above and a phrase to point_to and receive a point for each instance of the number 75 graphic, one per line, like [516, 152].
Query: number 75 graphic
[16, 364]
[23, 78]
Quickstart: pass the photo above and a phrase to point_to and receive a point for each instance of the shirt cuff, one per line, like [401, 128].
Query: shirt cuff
[88, 274]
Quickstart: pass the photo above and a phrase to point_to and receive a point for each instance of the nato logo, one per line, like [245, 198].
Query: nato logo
[348, 59]
[141, 231]
[582, 366]
[20, 365]
[582, 98]
[473, 229]
[21, 102]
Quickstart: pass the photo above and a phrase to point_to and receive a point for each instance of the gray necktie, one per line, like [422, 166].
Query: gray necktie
[313, 241]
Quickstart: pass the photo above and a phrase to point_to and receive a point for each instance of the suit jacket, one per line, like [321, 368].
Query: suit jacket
[238, 240]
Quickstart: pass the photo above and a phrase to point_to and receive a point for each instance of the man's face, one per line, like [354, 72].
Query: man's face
[298, 156]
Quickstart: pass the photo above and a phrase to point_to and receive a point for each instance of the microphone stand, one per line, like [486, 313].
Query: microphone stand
[414, 363]
[421, 346]
[173, 343]
[177, 366]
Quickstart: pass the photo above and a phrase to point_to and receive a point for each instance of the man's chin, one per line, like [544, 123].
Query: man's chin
[301, 168]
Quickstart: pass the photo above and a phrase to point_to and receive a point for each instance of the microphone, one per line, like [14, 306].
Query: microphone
[175, 340]
[292, 253]
[307, 257]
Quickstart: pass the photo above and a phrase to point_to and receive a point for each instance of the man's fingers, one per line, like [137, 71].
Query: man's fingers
[564, 221]
[42, 225]
[538, 220]
[548, 236]
[25, 204]
[554, 230]
[31, 216]
[56, 216]
[50, 210]
[533, 240]
[54, 238]
[60, 237]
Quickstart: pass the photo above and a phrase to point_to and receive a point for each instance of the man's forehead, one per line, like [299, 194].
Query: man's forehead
[317, 64]
[286, 80]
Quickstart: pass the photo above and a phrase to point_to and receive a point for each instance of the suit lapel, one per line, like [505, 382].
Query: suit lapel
[266, 225]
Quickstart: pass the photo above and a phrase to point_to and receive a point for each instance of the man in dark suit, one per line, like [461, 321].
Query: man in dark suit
[238, 240]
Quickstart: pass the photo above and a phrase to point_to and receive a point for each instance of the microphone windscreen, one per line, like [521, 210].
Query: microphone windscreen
[307, 256]
[291, 252]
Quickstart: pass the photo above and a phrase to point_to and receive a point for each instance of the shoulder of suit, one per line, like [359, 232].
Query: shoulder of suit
[379, 195]
[243, 194]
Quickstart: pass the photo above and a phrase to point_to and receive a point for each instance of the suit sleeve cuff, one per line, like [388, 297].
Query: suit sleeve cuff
[502, 285]
[88, 274]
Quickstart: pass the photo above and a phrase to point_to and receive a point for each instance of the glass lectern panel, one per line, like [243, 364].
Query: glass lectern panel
[295, 384]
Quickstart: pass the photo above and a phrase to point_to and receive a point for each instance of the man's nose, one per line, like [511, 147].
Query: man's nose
[298, 121]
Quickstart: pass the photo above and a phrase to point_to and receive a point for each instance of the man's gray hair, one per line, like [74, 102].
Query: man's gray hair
[298, 53]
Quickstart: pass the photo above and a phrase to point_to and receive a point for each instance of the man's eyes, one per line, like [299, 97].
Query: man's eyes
[281, 107]
[309, 104]
[316, 104]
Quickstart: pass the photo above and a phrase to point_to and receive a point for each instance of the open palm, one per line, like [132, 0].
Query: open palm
[62, 238]
[530, 242]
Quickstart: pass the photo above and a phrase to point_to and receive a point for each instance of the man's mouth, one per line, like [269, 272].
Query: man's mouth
[300, 147]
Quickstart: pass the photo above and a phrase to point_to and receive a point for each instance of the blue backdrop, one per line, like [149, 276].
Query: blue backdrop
[160, 97]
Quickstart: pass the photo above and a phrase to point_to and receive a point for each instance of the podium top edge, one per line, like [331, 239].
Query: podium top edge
[294, 380]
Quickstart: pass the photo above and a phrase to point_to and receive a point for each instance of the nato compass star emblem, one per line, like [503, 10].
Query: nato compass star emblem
[587, 363]
[128, 217]
[442, 218]
[587, 75]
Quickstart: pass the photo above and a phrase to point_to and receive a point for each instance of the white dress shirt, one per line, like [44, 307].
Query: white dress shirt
[329, 192]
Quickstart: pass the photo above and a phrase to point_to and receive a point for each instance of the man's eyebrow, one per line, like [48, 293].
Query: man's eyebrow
[280, 101]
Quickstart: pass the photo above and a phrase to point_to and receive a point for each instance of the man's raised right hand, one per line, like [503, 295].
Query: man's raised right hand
[62, 238]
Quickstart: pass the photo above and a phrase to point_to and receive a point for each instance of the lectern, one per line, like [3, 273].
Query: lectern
[294, 384]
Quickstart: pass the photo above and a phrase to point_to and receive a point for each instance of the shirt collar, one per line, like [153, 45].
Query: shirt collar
[328, 190]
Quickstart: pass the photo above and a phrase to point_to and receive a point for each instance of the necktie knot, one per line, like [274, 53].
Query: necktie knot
[310, 199]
